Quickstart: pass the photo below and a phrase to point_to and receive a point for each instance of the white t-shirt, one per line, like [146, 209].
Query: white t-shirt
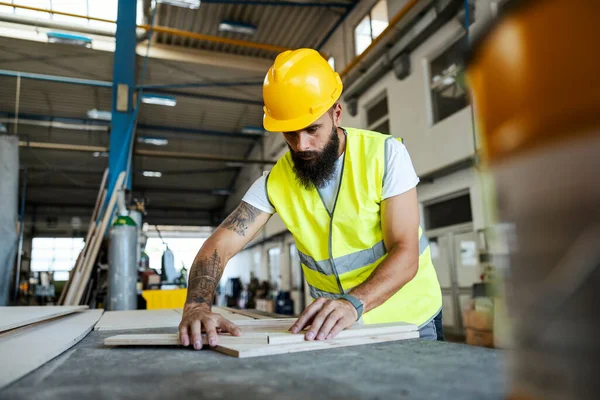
[400, 177]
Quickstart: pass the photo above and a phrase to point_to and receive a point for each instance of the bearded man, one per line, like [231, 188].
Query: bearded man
[348, 196]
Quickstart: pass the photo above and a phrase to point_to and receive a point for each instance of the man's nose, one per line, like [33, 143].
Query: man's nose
[303, 142]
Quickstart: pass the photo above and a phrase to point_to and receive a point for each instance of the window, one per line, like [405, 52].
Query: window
[295, 268]
[331, 62]
[448, 92]
[378, 116]
[55, 254]
[275, 267]
[456, 210]
[184, 251]
[371, 26]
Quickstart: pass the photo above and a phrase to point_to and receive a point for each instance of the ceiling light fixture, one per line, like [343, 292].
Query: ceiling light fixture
[97, 114]
[68, 38]
[152, 174]
[159, 99]
[100, 154]
[156, 141]
[237, 27]
[182, 3]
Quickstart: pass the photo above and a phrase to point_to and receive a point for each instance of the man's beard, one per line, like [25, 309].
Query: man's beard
[318, 170]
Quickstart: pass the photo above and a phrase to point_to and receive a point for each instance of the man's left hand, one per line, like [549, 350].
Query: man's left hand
[326, 318]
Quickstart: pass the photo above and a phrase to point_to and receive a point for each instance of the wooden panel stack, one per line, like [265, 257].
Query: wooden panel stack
[261, 337]
[32, 336]
[101, 218]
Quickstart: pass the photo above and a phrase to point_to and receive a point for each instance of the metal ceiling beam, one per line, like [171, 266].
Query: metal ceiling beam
[197, 85]
[143, 153]
[88, 124]
[205, 132]
[210, 97]
[337, 24]
[139, 189]
[58, 79]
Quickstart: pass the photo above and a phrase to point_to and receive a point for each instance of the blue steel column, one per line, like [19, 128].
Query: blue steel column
[123, 73]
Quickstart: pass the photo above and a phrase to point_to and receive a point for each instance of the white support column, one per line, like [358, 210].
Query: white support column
[9, 198]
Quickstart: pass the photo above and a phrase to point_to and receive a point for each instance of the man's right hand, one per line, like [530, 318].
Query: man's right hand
[197, 318]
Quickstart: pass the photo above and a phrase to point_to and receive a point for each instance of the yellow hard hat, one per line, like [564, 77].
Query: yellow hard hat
[298, 89]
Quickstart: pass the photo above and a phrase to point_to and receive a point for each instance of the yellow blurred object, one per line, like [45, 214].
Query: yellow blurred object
[298, 89]
[161, 299]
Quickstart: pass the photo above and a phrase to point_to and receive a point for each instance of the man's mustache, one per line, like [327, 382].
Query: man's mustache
[306, 154]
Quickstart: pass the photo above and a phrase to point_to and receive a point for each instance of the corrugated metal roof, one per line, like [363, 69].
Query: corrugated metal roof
[283, 26]
[185, 184]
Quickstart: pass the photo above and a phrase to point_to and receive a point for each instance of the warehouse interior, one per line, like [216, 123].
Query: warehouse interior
[131, 129]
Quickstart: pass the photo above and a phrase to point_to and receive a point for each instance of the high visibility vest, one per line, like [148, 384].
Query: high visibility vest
[340, 249]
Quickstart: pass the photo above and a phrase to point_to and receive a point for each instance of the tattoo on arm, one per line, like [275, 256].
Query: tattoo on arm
[204, 276]
[241, 218]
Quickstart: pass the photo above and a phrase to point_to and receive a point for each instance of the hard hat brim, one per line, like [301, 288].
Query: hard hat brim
[292, 125]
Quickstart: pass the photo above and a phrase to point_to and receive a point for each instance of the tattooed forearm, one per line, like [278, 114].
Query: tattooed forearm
[204, 276]
[241, 218]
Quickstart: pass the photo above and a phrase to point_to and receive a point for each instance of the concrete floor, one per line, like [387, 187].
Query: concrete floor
[413, 369]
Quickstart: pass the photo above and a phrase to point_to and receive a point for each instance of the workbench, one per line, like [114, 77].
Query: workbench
[411, 369]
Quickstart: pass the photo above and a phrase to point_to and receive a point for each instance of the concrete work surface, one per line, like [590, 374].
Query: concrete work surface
[412, 369]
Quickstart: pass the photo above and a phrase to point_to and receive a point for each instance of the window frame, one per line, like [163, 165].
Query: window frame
[450, 41]
[371, 104]
[370, 18]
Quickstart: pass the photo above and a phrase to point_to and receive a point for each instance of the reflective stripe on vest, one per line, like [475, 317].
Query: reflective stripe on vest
[340, 249]
[353, 261]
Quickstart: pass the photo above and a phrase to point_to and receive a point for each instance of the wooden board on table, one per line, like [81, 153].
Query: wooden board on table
[138, 319]
[252, 350]
[356, 330]
[229, 315]
[14, 317]
[35, 346]
[246, 313]
[172, 339]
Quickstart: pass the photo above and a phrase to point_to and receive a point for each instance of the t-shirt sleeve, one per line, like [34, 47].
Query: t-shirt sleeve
[257, 195]
[400, 175]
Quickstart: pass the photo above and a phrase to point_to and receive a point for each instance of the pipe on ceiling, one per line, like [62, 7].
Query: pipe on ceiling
[215, 39]
[142, 153]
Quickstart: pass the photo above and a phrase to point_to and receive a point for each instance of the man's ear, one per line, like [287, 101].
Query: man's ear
[337, 115]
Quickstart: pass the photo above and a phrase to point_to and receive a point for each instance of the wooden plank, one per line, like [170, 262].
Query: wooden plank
[138, 319]
[252, 350]
[81, 277]
[91, 227]
[14, 317]
[39, 344]
[229, 315]
[356, 330]
[247, 313]
[172, 339]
